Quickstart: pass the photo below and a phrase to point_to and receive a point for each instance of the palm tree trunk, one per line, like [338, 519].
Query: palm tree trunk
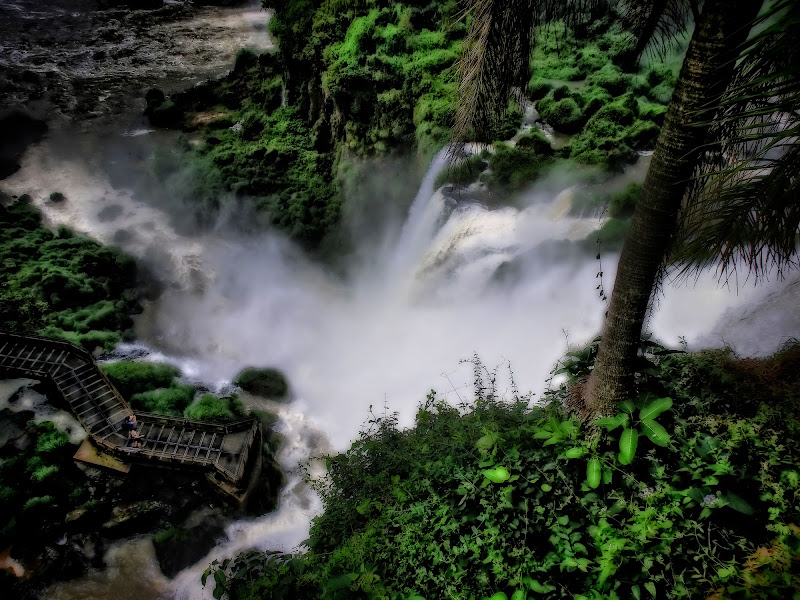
[707, 70]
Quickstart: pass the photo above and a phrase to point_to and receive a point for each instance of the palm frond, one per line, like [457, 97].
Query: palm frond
[494, 61]
[743, 204]
[494, 64]
[656, 25]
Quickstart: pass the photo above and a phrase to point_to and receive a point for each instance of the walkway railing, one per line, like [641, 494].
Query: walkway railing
[222, 448]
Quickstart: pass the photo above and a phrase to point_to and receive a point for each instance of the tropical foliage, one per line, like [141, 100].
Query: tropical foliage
[494, 499]
[60, 284]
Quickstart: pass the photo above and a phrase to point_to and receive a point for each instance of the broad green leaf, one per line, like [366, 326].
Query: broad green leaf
[486, 443]
[519, 595]
[498, 596]
[594, 471]
[497, 475]
[546, 487]
[655, 408]
[557, 437]
[575, 452]
[542, 434]
[637, 592]
[539, 588]
[627, 406]
[611, 423]
[627, 445]
[650, 587]
[657, 434]
[738, 503]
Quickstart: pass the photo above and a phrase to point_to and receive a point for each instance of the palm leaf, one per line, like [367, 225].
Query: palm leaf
[743, 205]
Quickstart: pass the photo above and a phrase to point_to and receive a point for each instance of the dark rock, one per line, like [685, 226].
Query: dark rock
[19, 130]
[13, 425]
[178, 548]
[57, 197]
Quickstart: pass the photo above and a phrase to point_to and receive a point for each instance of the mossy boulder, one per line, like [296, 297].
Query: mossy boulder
[268, 382]
[536, 141]
[560, 109]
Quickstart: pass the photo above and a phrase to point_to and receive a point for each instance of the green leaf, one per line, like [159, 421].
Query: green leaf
[650, 587]
[497, 475]
[637, 592]
[486, 443]
[498, 596]
[655, 408]
[627, 445]
[657, 434]
[575, 452]
[627, 406]
[539, 588]
[607, 475]
[519, 595]
[546, 487]
[557, 437]
[738, 503]
[611, 423]
[594, 471]
[363, 507]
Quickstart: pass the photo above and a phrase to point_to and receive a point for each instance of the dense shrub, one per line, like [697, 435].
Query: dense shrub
[209, 407]
[263, 382]
[171, 400]
[131, 378]
[497, 498]
[62, 285]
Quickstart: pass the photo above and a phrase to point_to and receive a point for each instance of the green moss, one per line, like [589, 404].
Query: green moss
[212, 408]
[564, 115]
[50, 438]
[622, 203]
[171, 400]
[130, 377]
[611, 235]
[511, 168]
[538, 87]
[462, 173]
[611, 78]
[263, 382]
[536, 141]
[66, 286]
[177, 534]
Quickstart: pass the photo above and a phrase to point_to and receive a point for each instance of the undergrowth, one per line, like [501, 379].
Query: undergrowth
[691, 491]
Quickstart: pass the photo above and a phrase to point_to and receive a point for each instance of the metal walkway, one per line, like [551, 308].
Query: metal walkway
[219, 448]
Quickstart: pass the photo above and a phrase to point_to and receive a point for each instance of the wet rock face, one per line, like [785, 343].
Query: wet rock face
[95, 58]
[18, 130]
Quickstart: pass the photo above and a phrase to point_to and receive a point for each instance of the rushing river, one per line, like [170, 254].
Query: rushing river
[419, 293]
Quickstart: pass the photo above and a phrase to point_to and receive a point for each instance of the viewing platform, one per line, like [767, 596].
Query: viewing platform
[222, 450]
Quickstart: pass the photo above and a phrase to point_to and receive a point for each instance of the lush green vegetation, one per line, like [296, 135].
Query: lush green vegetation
[692, 490]
[153, 387]
[272, 143]
[263, 382]
[271, 138]
[62, 285]
[39, 483]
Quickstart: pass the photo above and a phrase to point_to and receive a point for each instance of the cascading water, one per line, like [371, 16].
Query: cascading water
[389, 333]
